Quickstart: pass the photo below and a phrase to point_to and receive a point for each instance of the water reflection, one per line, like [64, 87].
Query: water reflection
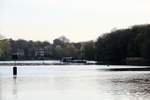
[61, 83]
[0, 89]
[77, 84]
[131, 86]
[15, 91]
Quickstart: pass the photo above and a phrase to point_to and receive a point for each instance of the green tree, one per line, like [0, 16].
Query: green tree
[89, 50]
[4, 49]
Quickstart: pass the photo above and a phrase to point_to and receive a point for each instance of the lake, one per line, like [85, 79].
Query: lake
[74, 82]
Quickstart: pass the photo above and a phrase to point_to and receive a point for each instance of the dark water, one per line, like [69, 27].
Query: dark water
[73, 82]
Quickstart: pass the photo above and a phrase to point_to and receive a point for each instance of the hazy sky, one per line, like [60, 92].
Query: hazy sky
[79, 20]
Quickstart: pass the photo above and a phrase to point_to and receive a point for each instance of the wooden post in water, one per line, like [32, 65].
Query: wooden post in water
[15, 57]
[15, 71]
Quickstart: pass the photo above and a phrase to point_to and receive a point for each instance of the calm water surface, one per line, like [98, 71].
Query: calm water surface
[73, 82]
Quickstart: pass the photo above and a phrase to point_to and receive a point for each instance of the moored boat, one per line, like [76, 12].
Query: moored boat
[71, 60]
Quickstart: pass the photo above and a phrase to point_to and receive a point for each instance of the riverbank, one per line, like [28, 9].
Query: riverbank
[42, 62]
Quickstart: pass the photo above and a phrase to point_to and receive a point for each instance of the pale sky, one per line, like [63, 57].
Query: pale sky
[79, 20]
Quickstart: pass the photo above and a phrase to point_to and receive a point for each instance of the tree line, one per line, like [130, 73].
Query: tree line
[124, 46]
[37, 50]
[120, 46]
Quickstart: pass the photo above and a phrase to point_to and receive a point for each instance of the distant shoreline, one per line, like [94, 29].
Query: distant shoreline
[56, 62]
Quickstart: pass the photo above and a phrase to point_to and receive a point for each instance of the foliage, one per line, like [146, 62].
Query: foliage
[111, 48]
[89, 50]
[4, 50]
[116, 46]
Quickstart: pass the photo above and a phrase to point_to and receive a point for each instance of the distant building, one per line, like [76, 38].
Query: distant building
[40, 53]
[19, 54]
